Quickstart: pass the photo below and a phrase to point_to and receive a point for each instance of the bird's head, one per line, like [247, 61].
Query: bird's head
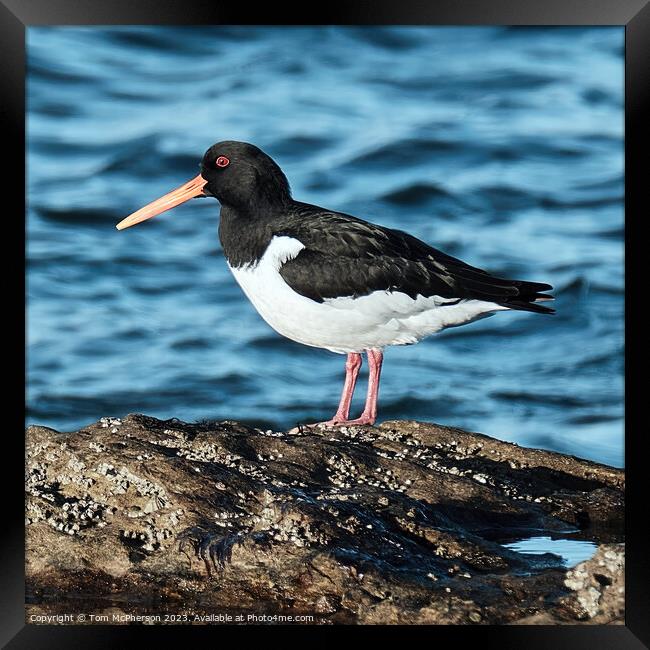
[238, 174]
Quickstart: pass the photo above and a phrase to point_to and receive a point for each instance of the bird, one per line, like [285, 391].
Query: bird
[331, 280]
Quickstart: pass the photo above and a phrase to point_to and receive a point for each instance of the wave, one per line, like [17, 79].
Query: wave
[417, 193]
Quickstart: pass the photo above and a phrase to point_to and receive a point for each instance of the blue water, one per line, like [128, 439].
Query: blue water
[570, 551]
[503, 146]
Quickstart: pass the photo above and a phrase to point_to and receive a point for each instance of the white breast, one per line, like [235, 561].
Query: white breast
[346, 324]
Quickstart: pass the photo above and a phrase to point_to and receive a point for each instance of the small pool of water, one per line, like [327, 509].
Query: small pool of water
[572, 551]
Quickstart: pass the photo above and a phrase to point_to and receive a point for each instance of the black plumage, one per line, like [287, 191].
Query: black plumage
[346, 256]
[343, 255]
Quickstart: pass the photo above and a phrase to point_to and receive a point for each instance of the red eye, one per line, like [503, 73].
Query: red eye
[222, 161]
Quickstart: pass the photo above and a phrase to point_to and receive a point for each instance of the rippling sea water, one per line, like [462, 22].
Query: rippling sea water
[502, 146]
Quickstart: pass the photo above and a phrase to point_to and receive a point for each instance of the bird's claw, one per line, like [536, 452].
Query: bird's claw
[333, 423]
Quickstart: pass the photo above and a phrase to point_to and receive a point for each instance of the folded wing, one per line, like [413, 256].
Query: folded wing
[346, 256]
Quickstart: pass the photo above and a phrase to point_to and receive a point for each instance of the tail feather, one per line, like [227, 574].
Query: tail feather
[518, 294]
[514, 294]
[530, 295]
[534, 306]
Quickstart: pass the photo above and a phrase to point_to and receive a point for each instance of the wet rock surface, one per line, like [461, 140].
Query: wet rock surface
[400, 523]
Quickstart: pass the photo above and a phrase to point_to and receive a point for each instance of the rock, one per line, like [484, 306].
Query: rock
[598, 586]
[401, 523]
[596, 591]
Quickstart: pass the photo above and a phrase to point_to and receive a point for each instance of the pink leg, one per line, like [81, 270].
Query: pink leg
[352, 366]
[369, 415]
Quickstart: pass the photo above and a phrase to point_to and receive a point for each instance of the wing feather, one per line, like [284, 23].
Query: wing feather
[346, 256]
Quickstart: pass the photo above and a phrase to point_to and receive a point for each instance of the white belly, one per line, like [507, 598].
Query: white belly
[345, 325]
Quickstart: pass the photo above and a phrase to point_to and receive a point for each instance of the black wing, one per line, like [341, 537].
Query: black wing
[346, 256]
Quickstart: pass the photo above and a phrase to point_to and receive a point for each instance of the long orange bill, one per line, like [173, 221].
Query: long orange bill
[167, 202]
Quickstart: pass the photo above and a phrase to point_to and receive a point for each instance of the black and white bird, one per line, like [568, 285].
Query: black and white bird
[330, 280]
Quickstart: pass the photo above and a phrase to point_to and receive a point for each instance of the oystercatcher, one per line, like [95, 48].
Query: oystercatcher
[330, 280]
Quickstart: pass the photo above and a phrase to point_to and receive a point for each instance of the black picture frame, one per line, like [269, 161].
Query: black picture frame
[16, 15]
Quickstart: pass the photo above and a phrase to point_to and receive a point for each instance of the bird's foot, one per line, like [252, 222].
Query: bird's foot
[335, 422]
[363, 420]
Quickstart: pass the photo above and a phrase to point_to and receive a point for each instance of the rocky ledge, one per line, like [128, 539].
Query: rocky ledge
[401, 523]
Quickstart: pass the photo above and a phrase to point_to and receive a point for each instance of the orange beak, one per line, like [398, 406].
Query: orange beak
[167, 202]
